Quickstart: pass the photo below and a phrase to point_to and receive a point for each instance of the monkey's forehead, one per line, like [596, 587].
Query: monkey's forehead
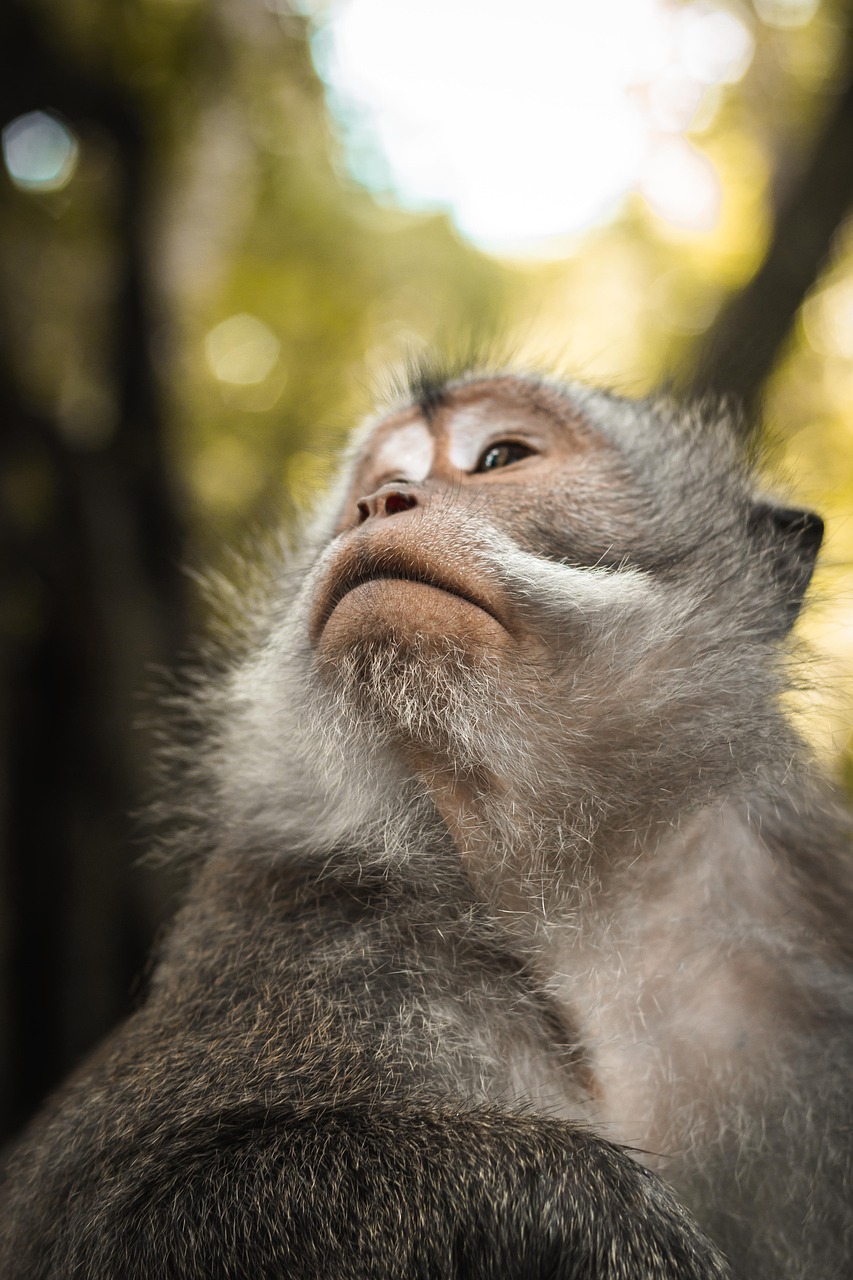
[497, 392]
[503, 400]
[451, 425]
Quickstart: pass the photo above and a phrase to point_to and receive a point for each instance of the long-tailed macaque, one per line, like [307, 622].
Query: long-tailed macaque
[520, 939]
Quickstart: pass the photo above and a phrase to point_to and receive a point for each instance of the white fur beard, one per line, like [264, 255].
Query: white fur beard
[433, 698]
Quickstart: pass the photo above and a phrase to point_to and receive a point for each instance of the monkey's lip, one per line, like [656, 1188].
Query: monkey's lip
[363, 565]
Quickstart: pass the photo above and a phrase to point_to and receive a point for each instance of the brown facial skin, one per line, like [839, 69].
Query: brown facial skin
[508, 452]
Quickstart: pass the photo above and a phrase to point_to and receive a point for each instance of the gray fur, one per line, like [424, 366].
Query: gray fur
[666, 912]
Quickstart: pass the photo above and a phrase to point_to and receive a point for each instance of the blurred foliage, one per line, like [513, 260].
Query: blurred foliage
[249, 215]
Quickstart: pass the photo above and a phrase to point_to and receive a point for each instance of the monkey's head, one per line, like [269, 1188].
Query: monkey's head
[485, 526]
[528, 582]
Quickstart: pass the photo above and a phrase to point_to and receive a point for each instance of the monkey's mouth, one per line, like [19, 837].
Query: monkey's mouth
[361, 567]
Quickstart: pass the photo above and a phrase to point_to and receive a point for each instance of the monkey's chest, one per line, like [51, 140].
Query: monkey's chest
[661, 1041]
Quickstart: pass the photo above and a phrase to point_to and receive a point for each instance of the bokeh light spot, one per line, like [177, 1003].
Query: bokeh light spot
[39, 151]
[715, 46]
[786, 13]
[682, 186]
[828, 320]
[227, 475]
[241, 350]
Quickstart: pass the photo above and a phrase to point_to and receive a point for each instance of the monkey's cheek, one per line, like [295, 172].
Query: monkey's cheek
[409, 614]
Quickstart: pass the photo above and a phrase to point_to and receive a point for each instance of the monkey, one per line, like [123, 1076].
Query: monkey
[518, 941]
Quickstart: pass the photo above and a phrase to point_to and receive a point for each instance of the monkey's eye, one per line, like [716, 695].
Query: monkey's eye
[502, 454]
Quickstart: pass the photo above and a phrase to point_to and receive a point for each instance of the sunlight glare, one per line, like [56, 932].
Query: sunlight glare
[535, 125]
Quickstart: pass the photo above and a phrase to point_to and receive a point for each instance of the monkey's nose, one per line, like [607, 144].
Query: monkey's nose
[385, 502]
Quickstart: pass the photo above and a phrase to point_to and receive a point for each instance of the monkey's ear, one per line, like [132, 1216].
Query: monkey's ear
[790, 538]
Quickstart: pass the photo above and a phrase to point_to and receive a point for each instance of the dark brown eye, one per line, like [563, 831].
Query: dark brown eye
[502, 454]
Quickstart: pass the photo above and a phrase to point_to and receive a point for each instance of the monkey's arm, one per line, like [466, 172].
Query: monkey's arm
[355, 1192]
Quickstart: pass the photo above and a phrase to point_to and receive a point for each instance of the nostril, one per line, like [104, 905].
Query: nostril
[395, 502]
[385, 502]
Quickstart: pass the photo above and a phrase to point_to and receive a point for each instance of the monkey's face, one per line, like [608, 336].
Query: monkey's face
[430, 607]
[412, 561]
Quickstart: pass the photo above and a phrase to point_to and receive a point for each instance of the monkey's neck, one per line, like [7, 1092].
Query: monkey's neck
[489, 833]
[544, 870]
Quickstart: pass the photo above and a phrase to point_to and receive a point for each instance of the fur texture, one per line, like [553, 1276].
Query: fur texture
[374, 1046]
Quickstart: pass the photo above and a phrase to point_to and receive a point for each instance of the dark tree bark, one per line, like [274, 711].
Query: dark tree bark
[741, 348]
[97, 587]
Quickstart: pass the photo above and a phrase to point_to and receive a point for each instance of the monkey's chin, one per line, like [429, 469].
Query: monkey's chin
[410, 614]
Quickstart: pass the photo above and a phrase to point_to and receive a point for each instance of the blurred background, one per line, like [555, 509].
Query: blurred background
[220, 220]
